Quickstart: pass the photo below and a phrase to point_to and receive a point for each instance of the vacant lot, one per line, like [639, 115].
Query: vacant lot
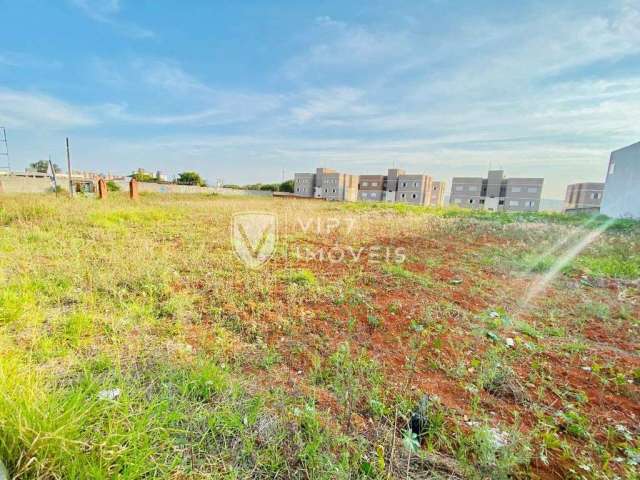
[134, 344]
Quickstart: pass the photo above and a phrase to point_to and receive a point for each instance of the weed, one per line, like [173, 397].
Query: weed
[300, 277]
[400, 272]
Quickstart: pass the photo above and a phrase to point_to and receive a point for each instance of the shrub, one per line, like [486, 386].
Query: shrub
[113, 186]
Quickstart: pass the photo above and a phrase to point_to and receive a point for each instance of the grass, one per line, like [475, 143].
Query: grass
[310, 369]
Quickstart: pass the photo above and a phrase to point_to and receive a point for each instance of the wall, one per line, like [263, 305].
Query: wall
[621, 192]
[144, 187]
[15, 184]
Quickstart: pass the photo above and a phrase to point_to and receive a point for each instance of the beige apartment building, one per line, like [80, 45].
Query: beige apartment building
[583, 197]
[497, 192]
[326, 184]
[414, 189]
[396, 186]
[437, 193]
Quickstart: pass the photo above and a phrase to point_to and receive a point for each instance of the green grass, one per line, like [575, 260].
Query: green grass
[298, 370]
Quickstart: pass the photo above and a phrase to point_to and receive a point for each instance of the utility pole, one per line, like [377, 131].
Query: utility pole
[5, 164]
[53, 176]
[69, 169]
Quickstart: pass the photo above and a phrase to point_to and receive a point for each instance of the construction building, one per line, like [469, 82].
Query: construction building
[497, 193]
[583, 197]
[621, 198]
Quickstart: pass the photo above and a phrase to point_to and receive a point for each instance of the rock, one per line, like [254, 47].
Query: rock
[109, 394]
[419, 421]
[500, 439]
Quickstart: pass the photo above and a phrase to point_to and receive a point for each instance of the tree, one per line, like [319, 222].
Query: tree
[286, 186]
[143, 177]
[42, 166]
[191, 178]
[113, 186]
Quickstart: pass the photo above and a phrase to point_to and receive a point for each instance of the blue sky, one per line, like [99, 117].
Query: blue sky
[242, 90]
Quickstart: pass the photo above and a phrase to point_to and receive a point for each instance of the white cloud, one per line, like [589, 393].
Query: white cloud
[107, 11]
[20, 59]
[19, 109]
[329, 105]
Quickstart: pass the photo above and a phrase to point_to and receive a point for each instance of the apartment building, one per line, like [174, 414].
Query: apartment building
[414, 189]
[327, 184]
[396, 186]
[437, 193]
[372, 188]
[497, 192]
[621, 196]
[583, 198]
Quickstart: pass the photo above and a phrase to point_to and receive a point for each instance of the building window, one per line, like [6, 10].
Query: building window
[459, 188]
[500, 202]
[612, 167]
[530, 203]
[471, 200]
[413, 195]
[298, 190]
[404, 184]
[365, 184]
[435, 187]
[334, 190]
[514, 203]
[473, 188]
[326, 190]
[532, 189]
[374, 184]
[415, 184]
[515, 189]
[403, 195]
[482, 201]
[595, 196]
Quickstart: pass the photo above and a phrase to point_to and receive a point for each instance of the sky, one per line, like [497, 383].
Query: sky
[244, 91]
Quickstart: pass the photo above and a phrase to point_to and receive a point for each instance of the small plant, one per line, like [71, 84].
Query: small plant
[574, 423]
[373, 320]
[300, 277]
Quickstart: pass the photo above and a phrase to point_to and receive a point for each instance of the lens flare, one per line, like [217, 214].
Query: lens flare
[539, 286]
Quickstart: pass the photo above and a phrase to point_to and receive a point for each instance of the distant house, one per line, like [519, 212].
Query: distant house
[621, 196]
[497, 193]
[583, 197]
